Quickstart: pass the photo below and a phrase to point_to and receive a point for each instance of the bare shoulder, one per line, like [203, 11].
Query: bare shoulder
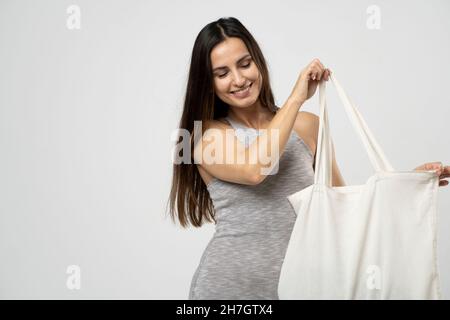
[209, 134]
[307, 127]
[307, 121]
[219, 124]
[215, 124]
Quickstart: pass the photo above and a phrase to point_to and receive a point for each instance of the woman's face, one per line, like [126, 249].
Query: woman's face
[234, 69]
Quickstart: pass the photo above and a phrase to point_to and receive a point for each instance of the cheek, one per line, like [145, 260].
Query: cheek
[255, 72]
[257, 78]
[221, 87]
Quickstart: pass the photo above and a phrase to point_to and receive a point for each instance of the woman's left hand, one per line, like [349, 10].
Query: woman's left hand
[441, 170]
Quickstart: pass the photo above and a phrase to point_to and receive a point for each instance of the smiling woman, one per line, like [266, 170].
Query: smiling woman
[216, 70]
[229, 88]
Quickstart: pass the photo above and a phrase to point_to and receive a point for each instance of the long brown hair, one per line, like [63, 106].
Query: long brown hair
[189, 198]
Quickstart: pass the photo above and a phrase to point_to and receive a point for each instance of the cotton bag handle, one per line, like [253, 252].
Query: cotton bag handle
[323, 172]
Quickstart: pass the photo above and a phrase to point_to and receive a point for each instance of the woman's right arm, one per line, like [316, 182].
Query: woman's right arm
[265, 151]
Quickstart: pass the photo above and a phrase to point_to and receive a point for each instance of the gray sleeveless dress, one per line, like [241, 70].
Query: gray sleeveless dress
[253, 226]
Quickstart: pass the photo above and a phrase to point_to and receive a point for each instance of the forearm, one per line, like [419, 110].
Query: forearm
[270, 145]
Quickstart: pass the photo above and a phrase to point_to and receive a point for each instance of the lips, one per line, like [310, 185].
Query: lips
[234, 91]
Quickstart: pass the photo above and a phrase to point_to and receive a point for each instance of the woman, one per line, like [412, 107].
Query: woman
[229, 88]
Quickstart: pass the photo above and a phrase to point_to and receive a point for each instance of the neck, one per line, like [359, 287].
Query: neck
[255, 116]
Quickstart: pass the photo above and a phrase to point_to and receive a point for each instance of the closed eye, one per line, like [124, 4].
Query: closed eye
[243, 66]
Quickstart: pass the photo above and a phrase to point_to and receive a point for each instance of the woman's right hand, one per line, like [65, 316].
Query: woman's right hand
[309, 78]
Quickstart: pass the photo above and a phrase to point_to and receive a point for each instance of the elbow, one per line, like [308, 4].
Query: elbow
[256, 176]
[255, 180]
[338, 182]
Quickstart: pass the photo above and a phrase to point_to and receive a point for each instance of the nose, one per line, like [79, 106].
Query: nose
[238, 79]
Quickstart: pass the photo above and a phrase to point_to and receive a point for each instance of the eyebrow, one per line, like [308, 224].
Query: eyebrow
[240, 59]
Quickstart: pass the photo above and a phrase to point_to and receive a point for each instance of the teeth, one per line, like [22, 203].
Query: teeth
[241, 89]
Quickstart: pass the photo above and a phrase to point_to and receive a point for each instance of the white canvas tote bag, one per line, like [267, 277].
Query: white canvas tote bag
[370, 241]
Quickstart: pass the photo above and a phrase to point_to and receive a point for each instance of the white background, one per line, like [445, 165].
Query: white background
[86, 117]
